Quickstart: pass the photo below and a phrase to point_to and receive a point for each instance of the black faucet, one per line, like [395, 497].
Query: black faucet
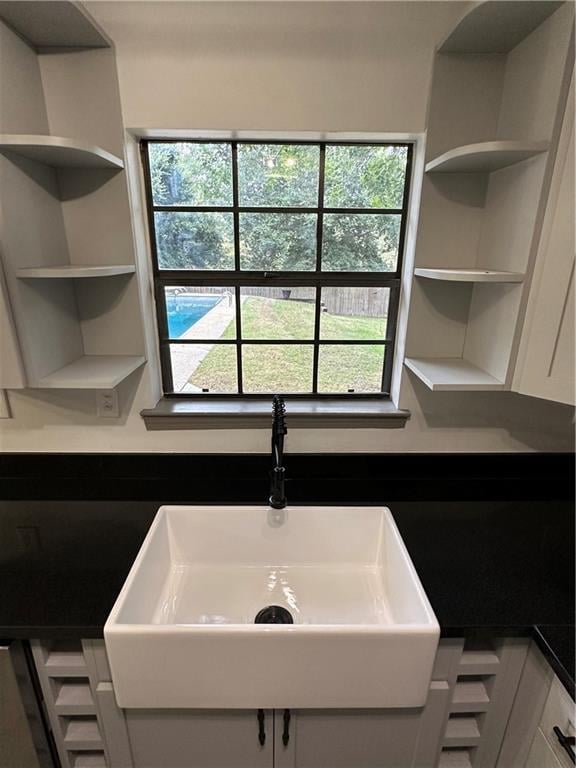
[277, 494]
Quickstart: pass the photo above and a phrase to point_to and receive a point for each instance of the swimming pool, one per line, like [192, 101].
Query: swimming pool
[184, 311]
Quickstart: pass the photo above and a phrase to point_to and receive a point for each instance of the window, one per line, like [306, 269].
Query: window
[276, 264]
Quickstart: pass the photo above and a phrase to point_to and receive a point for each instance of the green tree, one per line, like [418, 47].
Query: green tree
[279, 176]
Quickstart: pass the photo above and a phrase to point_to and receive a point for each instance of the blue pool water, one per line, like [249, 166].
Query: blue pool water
[184, 311]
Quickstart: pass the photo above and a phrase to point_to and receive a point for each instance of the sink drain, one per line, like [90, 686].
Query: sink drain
[274, 614]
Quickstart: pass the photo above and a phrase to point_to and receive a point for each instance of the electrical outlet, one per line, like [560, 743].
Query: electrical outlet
[107, 405]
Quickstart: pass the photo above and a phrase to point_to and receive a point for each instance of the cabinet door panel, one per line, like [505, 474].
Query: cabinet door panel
[200, 738]
[559, 711]
[546, 362]
[11, 368]
[348, 738]
[541, 756]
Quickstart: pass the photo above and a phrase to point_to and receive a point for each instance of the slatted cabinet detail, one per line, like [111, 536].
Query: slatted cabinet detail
[67, 681]
[484, 679]
[462, 725]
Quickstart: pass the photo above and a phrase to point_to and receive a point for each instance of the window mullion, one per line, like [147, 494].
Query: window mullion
[236, 215]
[280, 279]
[404, 217]
[317, 307]
[165, 355]
[393, 306]
[238, 339]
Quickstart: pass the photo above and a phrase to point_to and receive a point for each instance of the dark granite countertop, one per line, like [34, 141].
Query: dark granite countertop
[491, 568]
[557, 643]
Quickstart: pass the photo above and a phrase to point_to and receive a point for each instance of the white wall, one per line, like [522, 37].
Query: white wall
[281, 66]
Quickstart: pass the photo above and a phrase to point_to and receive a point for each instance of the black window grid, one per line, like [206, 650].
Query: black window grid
[254, 278]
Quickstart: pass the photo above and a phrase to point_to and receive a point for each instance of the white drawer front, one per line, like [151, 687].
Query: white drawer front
[560, 711]
[541, 754]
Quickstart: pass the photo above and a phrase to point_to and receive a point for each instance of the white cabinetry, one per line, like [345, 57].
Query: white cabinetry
[541, 704]
[546, 750]
[11, 370]
[462, 723]
[68, 293]
[350, 738]
[546, 361]
[492, 140]
[203, 738]
[315, 738]
[541, 754]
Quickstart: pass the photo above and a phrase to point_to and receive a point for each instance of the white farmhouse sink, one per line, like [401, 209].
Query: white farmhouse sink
[182, 631]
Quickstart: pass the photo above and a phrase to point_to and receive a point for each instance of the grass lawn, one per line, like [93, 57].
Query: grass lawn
[288, 368]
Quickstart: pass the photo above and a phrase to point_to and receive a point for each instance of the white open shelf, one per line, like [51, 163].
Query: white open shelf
[59, 152]
[485, 157]
[470, 696]
[462, 732]
[479, 663]
[451, 374]
[88, 760]
[469, 275]
[65, 663]
[498, 26]
[455, 758]
[92, 372]
[74, 698]
[55, 25]
[82, 733]
[74, 271]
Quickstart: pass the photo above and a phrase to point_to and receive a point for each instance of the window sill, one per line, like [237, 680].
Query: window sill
[174, 413]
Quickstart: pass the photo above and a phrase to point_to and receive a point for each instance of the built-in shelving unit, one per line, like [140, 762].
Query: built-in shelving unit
[469, 275]
[492, 135]
[93, 372]
[452, 374]
[73, 271]
[485, 157]
[59, 152]
[64, 203]
[497, 27]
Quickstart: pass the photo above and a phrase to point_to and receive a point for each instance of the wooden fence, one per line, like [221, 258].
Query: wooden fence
[351, 302]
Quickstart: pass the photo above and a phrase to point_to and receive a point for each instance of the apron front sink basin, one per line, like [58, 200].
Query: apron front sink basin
[183, 634]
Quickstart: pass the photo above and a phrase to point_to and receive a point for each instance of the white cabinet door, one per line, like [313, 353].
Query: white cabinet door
[546, 359]
[541, 755]
[11, 369]
[560, 712]
[199, 738]
[352, 738]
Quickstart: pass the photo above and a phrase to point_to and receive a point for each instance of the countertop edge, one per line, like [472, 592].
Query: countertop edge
[552, 654]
